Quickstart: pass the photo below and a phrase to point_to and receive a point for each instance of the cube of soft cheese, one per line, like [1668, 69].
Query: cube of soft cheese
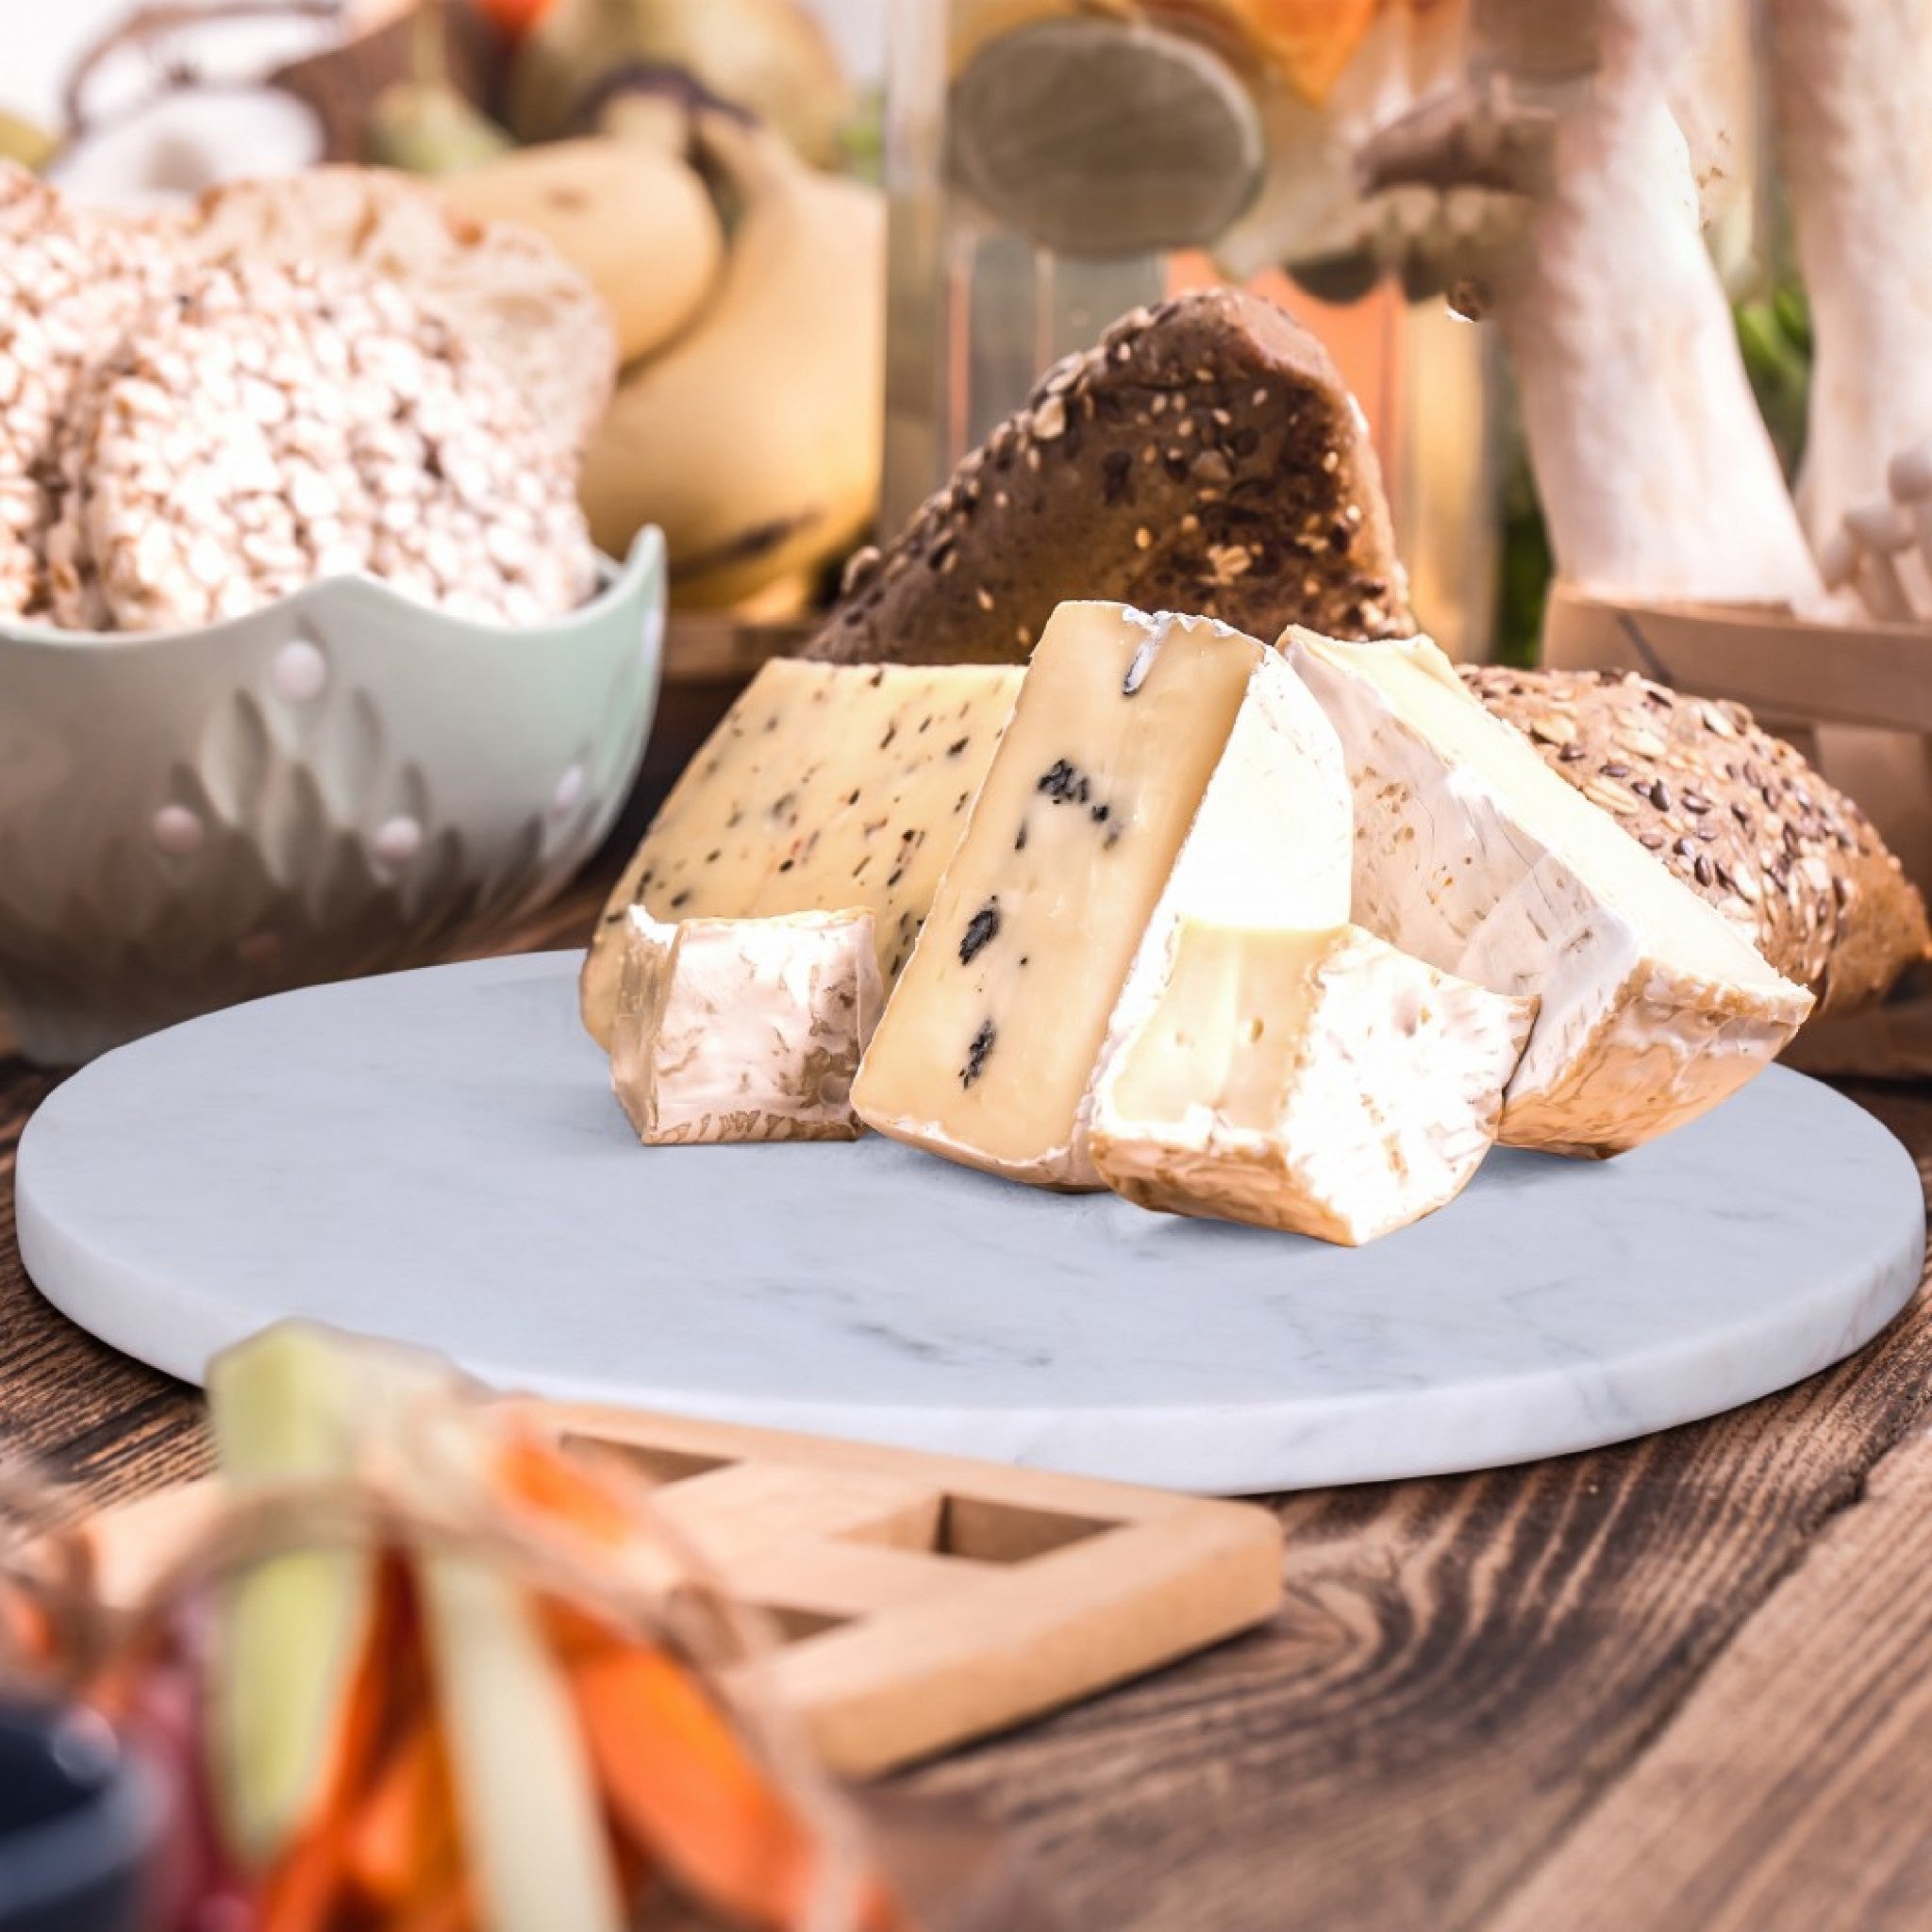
[1318, 1082]
[825, 787]
[1156, 768]
[744, 1029]
[1472, 854]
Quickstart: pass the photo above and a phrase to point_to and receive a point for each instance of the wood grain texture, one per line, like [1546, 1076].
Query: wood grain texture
[1672, 1684]
[1464, 1668]
[1797, 1771]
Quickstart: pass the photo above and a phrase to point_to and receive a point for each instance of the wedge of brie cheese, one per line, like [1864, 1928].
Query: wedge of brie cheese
[744, 1029]
[1156, 768]
[826, 786]
[1473, 856]
[1318, 1082]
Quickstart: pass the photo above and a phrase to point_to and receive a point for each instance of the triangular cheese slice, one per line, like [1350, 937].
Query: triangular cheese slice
[1318, 1082]
[1475, 857]
[1156, 768]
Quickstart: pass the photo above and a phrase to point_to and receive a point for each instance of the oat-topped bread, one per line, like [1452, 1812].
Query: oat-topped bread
[69, 287]
[1736, 813]
[263, 427]
[507, 290]
[1203, 457]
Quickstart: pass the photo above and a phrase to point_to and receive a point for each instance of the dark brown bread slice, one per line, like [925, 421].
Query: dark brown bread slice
[1736, 813]
[1205, 457]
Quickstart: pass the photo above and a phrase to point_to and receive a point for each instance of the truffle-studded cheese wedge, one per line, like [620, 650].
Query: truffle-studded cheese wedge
[1156, 768]
[1319, 1082]
[825, 787]
[744, 1029]
[1476, 857]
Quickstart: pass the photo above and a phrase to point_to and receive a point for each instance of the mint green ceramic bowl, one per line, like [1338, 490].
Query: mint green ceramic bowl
[345, 782]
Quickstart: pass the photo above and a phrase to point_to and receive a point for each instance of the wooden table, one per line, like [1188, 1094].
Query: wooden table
[1682, 1684]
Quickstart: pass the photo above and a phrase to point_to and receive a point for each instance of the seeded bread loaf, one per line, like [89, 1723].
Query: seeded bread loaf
[1736, 815]
[1203, 457]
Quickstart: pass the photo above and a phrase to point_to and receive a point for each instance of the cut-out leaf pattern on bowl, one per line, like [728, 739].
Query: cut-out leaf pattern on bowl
[344, 783]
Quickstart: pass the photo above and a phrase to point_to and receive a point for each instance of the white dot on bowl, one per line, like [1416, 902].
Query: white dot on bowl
[178, 830]
[653, 638]
[397, 840]
[570, 787]
[301, 672]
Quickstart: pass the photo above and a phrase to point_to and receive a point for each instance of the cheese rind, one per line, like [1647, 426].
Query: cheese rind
[825, 787]
[1154, 768]
[1322, 1083]
[744, 1029]
[1473, 856]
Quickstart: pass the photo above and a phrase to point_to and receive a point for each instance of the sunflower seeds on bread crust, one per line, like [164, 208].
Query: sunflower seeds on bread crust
[508, 291]
[264, 428]
[1736, 815]
[1203, 457]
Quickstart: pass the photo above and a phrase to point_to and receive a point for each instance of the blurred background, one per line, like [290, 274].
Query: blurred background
[815, 320]
[980, 307]
[983, 294]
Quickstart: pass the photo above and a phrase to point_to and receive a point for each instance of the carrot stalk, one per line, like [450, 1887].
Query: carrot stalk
[681, 1783]
[307, 1885]
[404, 1834]
[449, 1909]
[683, 1789]
[544, 1479]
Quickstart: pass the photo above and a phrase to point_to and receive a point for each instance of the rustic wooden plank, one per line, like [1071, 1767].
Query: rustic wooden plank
[1463, 1667]
[1793, 1788]
[88, 1416]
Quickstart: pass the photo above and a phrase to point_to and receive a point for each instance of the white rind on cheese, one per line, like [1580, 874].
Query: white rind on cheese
[1322, 1083]
[1473, 856]
[825, 787]
[1156, 768]
[744, 1029]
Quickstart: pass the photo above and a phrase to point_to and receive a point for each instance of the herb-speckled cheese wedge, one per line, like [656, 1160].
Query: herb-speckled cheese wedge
[1156, 768]
[825, 787]
[1472, 854]
[1317, 1082]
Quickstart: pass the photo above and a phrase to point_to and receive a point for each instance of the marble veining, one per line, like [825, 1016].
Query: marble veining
[435, 1155]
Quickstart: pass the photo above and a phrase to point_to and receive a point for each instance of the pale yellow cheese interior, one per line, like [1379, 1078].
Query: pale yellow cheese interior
[1118, 728]
[1228, 1031]
[826, 788]
[1423, 687]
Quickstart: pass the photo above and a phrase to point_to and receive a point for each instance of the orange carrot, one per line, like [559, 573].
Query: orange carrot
[306, 1887]
[449, 1909]
[403, 1835]
[686, 1789]
[26, 1629]
[544, 1479]
[515, 17]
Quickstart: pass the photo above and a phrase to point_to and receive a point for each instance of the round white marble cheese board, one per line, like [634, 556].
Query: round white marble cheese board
[436, 1156]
